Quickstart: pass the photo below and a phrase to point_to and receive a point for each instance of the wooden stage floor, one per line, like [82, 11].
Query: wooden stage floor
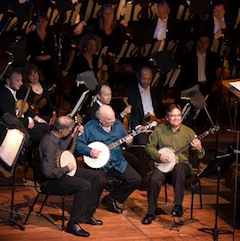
[126, 226]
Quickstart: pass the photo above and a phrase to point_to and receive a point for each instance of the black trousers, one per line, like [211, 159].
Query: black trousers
[85, 185]
[130, 181]
[178, 175]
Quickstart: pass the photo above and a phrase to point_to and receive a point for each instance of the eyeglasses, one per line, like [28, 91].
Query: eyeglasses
[172, 115]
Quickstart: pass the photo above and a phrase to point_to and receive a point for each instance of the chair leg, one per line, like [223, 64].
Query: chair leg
[193, 190]
[31, 209]
[200, 193]
[43, 203]
[166, 196]
[63, 216]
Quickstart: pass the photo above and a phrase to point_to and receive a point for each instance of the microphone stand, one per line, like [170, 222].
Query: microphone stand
[235, 181]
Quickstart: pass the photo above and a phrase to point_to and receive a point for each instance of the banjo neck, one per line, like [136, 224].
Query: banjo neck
[74, 143]
[123, 140]
[134, 133]
[204, 134]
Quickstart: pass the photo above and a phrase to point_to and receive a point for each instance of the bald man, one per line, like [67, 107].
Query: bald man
[84, 184]
[107, 129]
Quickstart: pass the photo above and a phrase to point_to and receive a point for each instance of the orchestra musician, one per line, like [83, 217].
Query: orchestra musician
[171, 134]
[107, 129]
[84, 184]
[145, 101]
[40, 47]
[35, 125]
[39, 97]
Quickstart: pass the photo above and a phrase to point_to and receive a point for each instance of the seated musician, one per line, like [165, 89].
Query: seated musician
[107, 129]
[9, 103]
[85, 59]
[39, 98]
[199, 67]
[84, 184]
[104, 96]
[146, 101]
[172, 134]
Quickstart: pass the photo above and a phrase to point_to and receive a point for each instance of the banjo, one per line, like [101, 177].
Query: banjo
[173, 160]
[67, 155]
[104, 155]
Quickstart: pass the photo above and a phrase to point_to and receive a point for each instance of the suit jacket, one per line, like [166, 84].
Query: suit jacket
[134, 99]
[189, 71]
[91, 114]
[7, 104]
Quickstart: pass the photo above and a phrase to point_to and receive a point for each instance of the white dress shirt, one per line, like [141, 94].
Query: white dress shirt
[160, 30]
[146, 100]
[217, 25]
[201, 67]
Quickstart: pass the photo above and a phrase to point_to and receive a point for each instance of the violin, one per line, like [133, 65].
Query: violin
[21, 105]
[222, 73]
[126, 118]
[39, 101]
[151, 118]
[102, 76]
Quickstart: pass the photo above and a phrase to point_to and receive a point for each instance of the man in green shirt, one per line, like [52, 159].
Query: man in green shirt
[173, 135]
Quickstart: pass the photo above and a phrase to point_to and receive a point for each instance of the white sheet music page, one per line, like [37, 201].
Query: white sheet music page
[10, 146]
[235, 85]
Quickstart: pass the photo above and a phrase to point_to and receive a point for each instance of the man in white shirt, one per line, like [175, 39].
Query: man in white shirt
[162, 12]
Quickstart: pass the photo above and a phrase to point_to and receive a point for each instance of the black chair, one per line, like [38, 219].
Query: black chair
[191, 181]
[42, 192]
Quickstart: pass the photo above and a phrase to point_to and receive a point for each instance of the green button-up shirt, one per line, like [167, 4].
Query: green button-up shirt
[163, 136]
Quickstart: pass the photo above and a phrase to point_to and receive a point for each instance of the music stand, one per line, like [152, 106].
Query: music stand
[196, 98]
[163, 61]
[9, 152]
[217, 166]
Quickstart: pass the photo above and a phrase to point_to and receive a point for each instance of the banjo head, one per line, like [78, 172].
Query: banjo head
[102, 158]
[68, 157]
[166, 167]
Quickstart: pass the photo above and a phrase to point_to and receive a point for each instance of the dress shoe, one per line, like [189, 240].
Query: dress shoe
[76, 230]
[91, 220]
[177, 211]
[111, 204]
[148, 219]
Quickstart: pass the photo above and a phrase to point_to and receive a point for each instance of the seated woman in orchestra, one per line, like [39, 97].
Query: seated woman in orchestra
[86, 55]
[11, 107]
[40, 46]
[85, 59]
[109, 30]
[39, 96]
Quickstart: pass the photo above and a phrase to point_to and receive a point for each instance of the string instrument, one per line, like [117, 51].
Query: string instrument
[223, 72]
[104, 155]
[126, 118]
[102, 74]
[149, 118]
[21, 105]
[67, 156]
[173, 158]
[39, 101]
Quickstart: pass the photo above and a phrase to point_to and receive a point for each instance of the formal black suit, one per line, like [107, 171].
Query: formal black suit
[137, 118]
[134, 99]
[189, 71]
[7, 105]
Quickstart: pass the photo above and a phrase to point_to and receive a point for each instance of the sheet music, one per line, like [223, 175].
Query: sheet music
[235, 85]
[11, 146]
